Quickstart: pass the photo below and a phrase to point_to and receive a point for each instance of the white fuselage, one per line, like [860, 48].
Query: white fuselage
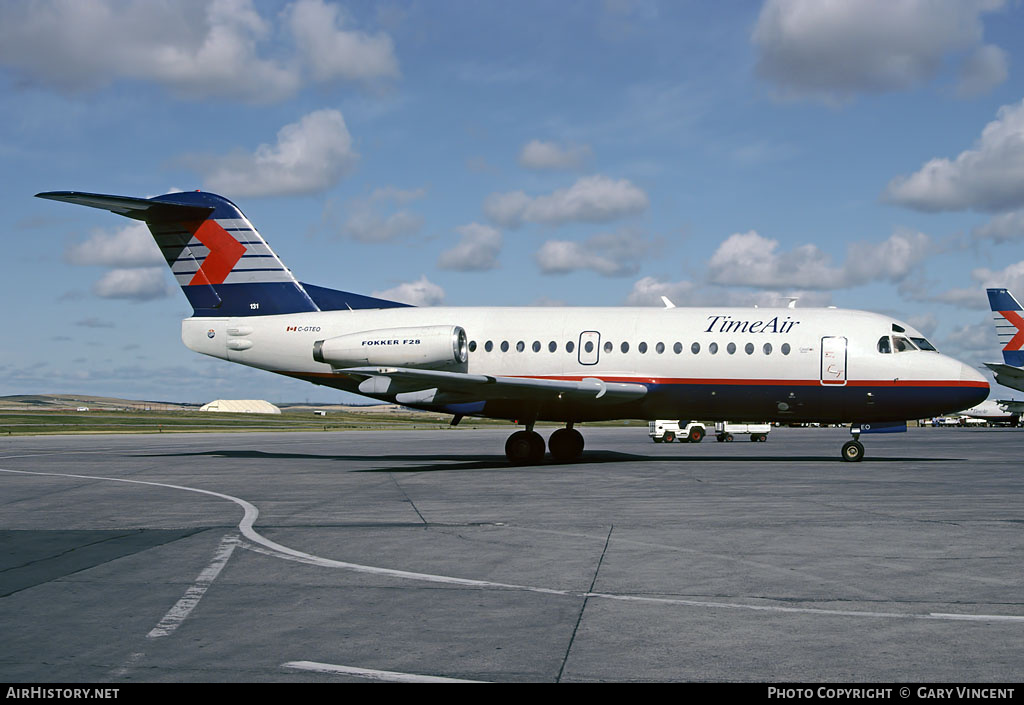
[757, 364]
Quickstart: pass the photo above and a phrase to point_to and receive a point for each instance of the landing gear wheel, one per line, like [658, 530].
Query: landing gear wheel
[853, 451]
[566, 445]
[696, 435]
[524, 448]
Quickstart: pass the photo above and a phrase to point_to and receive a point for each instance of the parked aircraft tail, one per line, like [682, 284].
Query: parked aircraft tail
[217, 256]
[1009, 321]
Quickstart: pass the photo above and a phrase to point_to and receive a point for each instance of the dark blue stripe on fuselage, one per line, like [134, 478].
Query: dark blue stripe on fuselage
[736, 402]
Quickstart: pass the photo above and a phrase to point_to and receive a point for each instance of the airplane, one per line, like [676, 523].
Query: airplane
[1009, 321]
[995, 412]
[568, 365]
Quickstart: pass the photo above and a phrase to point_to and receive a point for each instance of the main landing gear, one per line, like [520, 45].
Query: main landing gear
[527, 447]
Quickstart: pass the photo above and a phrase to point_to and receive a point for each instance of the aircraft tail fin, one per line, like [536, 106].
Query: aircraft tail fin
[217, 256]
[1009, 321]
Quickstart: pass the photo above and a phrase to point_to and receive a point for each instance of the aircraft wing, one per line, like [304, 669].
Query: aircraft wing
[1008, 375]
[415, 386]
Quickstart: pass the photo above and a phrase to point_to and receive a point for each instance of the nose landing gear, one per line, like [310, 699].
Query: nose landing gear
[853, 451]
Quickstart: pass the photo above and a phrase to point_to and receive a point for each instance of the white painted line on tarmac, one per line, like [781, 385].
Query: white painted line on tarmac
[183, 607]
[251, 513]
[979, 617]
[388, 676]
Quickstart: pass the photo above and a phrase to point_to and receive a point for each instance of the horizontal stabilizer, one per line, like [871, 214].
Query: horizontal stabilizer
[144, 209]
[1007, 375]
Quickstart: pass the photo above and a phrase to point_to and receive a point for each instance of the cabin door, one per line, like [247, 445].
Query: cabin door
[833, 360]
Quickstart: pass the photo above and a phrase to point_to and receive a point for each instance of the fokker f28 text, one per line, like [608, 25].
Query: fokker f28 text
[568, 365]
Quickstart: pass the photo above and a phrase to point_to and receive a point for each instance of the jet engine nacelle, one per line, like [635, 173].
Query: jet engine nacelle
[430, 347]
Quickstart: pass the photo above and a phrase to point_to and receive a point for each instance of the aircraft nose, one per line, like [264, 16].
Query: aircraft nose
[976, 384]
[969, 374]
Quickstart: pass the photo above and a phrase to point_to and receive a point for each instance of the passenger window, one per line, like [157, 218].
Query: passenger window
[520, 346]
[488, 346]
[642, 347]
[713, 348]
[695, 348]
[504, 346]
[570, 346]
[608, 346]
[536, 346]
[624, 347]
[660, 348]
[589, 347]
[552, 346]
[731, 348]
[749, 348]
[472, 346]
[767, 348]
[785, 348]
[677, 348]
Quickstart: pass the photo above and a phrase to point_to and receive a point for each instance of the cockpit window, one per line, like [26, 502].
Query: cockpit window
[902, 344]
[924, 344]
[883, 345]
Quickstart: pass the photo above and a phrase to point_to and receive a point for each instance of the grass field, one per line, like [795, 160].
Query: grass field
[22, 422]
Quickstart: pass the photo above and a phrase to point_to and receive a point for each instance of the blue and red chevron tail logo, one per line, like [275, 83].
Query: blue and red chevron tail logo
[225, 251]
[1009, 322]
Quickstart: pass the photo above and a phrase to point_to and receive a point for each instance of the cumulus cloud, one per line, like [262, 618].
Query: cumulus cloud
[136, 284]
[368, 219]
[477, 251]
[369, 226]
[421, 292]
[549, 155]
[989, 177]
[130, 246]
[985, 69]
[1006, 227]
[749, 259]
[610, 254]
[972, 343]
[831, 50]
[332, 52]
[196, 49]
[592, 199]
[973, 297]
[649, 290]
[310, 156]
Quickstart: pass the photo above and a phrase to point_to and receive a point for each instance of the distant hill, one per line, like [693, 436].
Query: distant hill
[64, 402]
[43, 402]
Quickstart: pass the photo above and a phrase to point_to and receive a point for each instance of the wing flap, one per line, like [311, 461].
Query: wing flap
[424, 385]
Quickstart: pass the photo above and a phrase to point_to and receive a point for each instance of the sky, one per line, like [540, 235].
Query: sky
[863, 154]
